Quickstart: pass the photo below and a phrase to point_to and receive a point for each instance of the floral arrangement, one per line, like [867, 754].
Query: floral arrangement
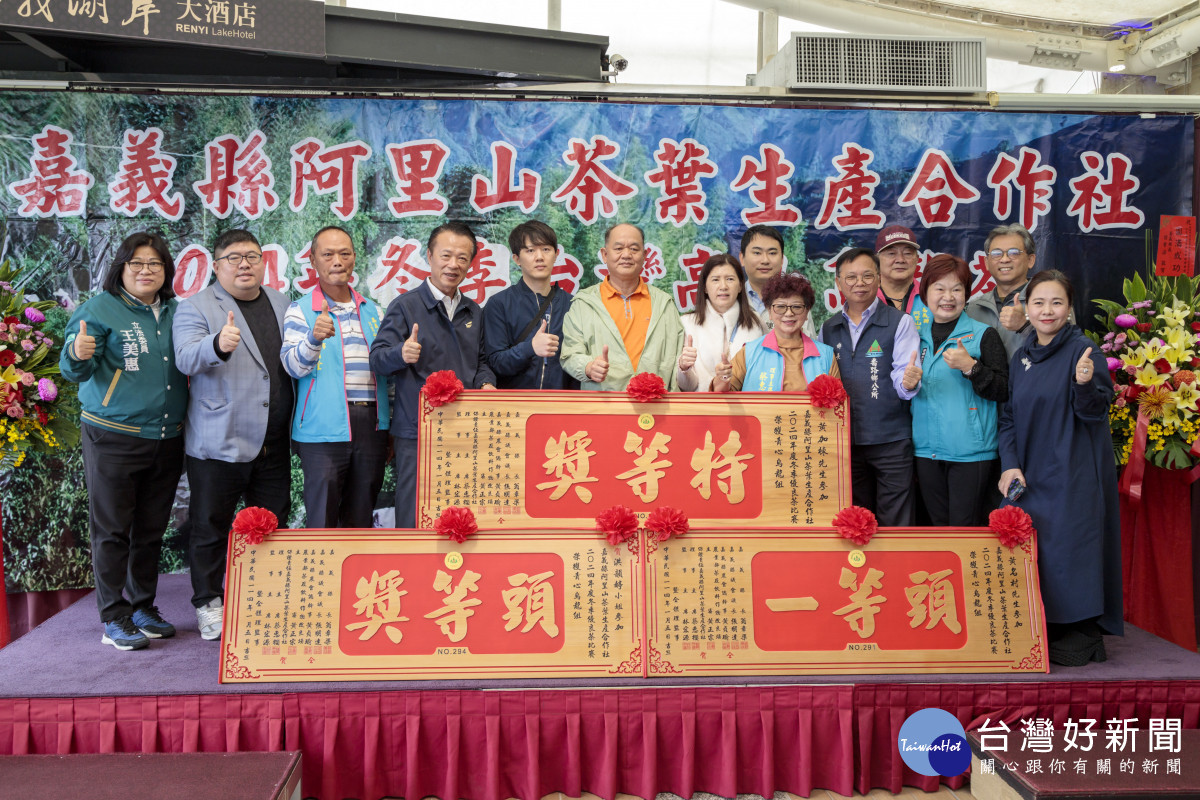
[617, 524]
[456, 523]
[1150, 341]
[255, 523]
[29, 415]
[665, 522]
[441, 387]
[856, 523]
[1012, 525]
[646, 386]
[827, 392]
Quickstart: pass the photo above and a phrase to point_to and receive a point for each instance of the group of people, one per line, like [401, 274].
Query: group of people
[960, 400]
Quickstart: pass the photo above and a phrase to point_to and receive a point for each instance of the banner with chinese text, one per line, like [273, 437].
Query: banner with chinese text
[379, 605]
[785, 602]
[557, 459]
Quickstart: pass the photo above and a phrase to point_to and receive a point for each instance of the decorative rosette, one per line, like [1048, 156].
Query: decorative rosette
[456, 522]
[856, 523]
[255, 524]
[442, 387]
[617, 524]
[1012, 526]
[827, 392]
[665, 522]
[646, 386]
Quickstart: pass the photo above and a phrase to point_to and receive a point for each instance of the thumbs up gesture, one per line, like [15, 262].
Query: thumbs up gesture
[957, 357]
[597, 369]
[724, 375]
[1084, 368]
[324, 328]
[85, 346]
[912, 373]
[411, 352]
[687, 358]
[230, 336]
[1013, 317]
[545, 344]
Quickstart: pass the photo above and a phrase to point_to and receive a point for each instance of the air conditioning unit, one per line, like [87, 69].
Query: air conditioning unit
[878, 64]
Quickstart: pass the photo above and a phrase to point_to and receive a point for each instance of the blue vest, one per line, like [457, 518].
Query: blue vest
[950, 421]
[877, 414]
[321, 411]
[764, 364]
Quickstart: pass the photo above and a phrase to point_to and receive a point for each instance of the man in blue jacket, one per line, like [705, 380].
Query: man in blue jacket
[523, 324]
[342, 414]
[429, 329]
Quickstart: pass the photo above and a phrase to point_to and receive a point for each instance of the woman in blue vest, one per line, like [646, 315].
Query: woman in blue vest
[1055, 445]
[965, 376]
[120, 352]
[721, 325]
[785, 360]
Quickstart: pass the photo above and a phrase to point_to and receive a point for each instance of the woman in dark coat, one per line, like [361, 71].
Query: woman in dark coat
[1055, 440]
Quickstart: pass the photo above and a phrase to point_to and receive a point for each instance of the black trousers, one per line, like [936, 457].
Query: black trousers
[131, 487]
[881, 477]
[406, 482]
[342, 479]
[216, 487]
[959, 493]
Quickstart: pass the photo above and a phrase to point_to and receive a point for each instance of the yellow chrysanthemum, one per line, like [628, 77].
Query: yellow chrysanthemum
[1153, 404]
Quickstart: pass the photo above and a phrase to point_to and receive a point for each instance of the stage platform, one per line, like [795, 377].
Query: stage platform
[61, 691]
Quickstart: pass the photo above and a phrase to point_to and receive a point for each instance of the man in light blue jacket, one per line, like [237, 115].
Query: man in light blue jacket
[227, 339]
[342, 413]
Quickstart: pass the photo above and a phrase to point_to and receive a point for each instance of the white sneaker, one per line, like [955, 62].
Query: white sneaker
[210, 616]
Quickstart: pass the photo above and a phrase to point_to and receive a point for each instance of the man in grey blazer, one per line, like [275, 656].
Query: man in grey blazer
[227, 339]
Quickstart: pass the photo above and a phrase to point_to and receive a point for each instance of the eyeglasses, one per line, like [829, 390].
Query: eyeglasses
[782, 309]
[854, 280]
[236, 259]
[1012, 252]
[153, 267]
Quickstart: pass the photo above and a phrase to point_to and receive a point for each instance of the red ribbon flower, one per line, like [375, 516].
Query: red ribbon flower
[827, 392]
[617, 524]
[456, 522]
[646, 386]
[442, 387]
[665, 522]
[856, 524]
[255, 524]
[1012, 525]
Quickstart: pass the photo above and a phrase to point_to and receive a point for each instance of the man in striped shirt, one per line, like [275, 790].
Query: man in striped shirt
[342, 413]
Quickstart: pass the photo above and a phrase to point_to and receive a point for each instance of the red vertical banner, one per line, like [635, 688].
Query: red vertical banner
[1176, 246]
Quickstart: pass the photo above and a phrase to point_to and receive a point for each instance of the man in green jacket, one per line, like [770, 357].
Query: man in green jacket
[621, 326]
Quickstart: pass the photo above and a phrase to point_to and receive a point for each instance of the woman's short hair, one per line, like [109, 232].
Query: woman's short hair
[786, 285]
[113, 279]
[943, 265]
[1046, 276]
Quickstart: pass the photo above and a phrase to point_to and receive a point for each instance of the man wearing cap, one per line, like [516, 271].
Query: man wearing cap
[899, 255]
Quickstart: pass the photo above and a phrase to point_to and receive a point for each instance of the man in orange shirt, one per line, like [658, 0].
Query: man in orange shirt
[622, 326]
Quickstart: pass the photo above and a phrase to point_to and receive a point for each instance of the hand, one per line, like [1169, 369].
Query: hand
[545, 344]
[724, 374]
[687, 358]
[1013, 317]
[957, 357]
[411, 352]
[597, 369]
[1008, 477]
[230, 336]
[1084, 367]
[488, 387]
[324, 328]
[912, 373]
[85, 346]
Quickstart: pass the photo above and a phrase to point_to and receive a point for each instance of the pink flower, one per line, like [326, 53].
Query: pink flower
[47, 390]
[27, 345]
[15, 411]
[27, 378]
[1114, 364]
[1126, 320]
[35, 316]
